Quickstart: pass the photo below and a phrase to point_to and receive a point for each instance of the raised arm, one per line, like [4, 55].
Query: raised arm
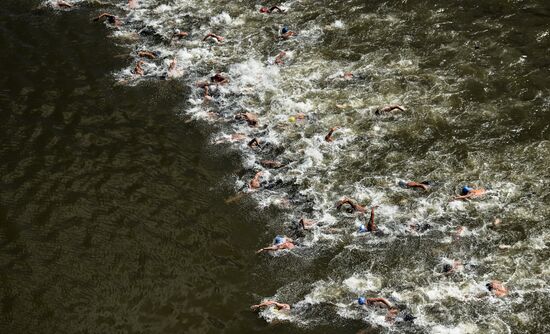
[276, 8]
[255, 182]
[328, 137]
[371, 226]
[172, 65]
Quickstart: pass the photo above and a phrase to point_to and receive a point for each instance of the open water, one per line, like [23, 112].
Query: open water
[117, 192]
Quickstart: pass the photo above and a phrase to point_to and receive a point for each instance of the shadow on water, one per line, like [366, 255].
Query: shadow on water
[112, 214]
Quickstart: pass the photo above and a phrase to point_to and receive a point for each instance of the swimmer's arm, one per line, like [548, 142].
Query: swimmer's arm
[282, 306]
[417, 185]
[270, 248]
[218, 38]
[274, 8]
[262, 304]
[372, 215]
[102, 15]
[342, 202]
[380, 300]
[64, 4]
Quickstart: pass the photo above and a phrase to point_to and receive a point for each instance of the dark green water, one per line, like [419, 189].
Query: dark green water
[112, 212]
[111, 208]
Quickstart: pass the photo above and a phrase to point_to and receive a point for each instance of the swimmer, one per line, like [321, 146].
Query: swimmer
[497, 288]
[271, 163]
[173, 69]
[279, 58]
[250, 118]
[468, 193]
[138, 70]
[180, 34]
[299, 116]
[388, 109]
[110, 18]
[219, 79]
[266, 10]
[381, 302]
[255, 182]
[328, 137]
[218, 39]
[254, 143]
[64, 4]
[280, 243]
[459, 232]
[204, 85]
[307, 224]
[423, 185]
[354, 206]
[267, 303]
[348, 76]
[286, 34]
[147, 54]
[451, 268]
[132, 4]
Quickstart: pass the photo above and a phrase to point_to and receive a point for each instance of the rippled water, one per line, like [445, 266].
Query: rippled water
[124, 166]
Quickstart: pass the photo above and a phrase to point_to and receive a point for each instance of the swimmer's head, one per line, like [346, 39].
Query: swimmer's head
[447, 268]
[402, 184]
[489, 286]
[465, 190]
[264, 10]
[278, 240]
[362, 228]
[361, 300]
[284, 30]
[176, 31]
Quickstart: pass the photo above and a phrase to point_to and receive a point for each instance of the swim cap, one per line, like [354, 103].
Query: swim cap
[292, 119]
[361, 300]
[279, 240]
[177, 31]
[465, 190]
[284, 30]
[362, 228]
[402, 183]
[264, 10]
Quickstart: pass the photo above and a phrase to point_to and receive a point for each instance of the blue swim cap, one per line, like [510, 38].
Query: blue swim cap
[402, 184]
[361, 300]
[284, 30]
[465, 190]
[279, 240]
[362, 228]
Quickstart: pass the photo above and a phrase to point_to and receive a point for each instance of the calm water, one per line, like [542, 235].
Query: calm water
[112, 200]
